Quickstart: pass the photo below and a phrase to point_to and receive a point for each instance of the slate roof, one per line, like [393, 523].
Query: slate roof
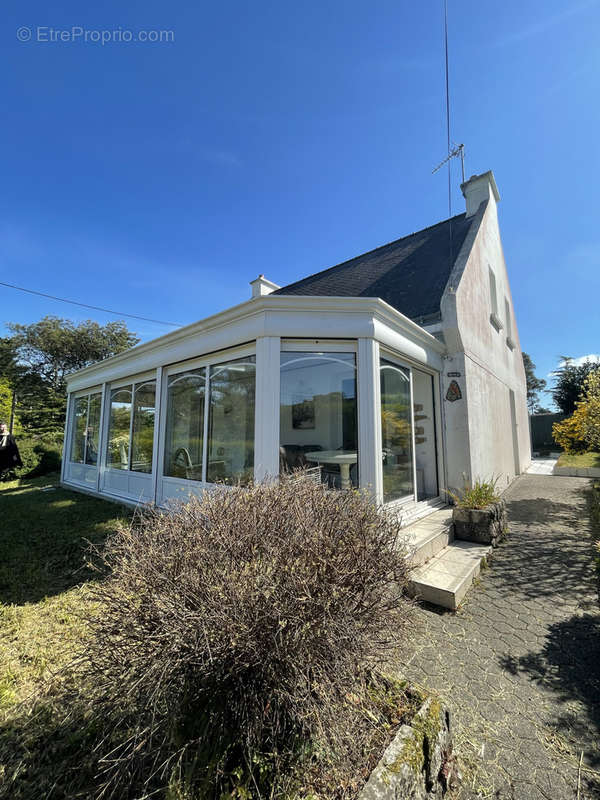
[410, 274]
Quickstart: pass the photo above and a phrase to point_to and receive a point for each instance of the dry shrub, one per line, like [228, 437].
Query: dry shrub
[237, 633]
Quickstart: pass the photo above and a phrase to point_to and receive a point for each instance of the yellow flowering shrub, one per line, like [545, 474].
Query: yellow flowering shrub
[591, 420]
[570, 432]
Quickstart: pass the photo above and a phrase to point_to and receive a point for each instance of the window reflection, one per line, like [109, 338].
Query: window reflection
[185, 425]
[396, 430]
[85, 431]
[231, 421]
[130, 441]
[93, 429]
[80, 411]
[318, 429]
[119, 428]
[143, 427]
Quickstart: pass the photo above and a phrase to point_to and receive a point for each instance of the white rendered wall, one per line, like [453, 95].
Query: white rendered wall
[478, 427]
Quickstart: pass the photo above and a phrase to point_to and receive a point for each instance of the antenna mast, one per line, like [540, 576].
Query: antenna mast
[454, 150]
[457, 150]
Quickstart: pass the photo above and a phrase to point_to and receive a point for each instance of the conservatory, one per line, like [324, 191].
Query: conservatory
[346, 388]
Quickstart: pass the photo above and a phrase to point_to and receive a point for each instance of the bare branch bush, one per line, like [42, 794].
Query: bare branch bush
[237, 635]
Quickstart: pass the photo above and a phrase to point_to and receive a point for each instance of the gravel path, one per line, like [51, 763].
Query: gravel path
[519, 663]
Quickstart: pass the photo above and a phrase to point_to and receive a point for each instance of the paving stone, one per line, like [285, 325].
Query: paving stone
[519, 664]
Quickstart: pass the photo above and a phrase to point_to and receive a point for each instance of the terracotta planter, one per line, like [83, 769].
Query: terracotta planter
[482, 525]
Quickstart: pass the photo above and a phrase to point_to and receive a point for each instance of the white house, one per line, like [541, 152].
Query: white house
[398, 371]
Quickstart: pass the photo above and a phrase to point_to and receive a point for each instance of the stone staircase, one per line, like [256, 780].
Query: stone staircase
[443, 568]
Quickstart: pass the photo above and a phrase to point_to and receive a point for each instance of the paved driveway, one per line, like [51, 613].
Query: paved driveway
[519, 664]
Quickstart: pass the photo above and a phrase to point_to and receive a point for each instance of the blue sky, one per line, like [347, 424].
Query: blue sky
[281, 138]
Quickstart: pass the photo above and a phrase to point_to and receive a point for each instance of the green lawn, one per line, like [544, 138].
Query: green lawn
[43, 577]
[581, 460]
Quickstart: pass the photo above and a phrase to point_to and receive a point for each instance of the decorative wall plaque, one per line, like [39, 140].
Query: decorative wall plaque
[453, 392]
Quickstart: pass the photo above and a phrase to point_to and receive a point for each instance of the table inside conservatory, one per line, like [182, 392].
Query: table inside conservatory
[343, 458]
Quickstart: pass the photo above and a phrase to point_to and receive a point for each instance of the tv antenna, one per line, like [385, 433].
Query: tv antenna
[457, 150]
[454, 150]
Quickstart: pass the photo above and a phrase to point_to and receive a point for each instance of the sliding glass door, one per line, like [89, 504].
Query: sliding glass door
[408, 428]
[396, 432]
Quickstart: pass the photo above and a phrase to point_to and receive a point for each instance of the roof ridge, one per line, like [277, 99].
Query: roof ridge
[369, 252]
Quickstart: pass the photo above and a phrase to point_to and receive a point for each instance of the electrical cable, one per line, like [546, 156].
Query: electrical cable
[86, 305]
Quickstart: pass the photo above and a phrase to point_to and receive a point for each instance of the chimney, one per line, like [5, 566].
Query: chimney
[261, 286]
[479, 188]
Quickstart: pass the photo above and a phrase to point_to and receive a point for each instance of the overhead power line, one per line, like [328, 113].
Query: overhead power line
[86, 305]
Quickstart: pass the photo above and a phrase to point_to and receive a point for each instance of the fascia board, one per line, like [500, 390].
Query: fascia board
[282, 315]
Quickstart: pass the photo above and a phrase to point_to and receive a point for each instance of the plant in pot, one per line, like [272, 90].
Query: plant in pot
[479, 512]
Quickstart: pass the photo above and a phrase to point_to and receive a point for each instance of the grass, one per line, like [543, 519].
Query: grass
[45, 530]
[479, 495]
[580, 460]
[43, 579]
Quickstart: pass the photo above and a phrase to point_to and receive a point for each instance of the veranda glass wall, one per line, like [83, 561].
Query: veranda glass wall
[209, 424]
[131, 427]
[201, 430]
[318, 416]
[408, 433]
[86, 429]
[396, 432]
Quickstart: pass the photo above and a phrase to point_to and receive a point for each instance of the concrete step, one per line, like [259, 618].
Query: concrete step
[425, 538]
[446, 578]
[414, 512]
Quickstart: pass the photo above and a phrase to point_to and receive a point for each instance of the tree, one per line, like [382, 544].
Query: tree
[591, 402]
[36, 360]
[6, 398]
[535, 385]
[570, 383]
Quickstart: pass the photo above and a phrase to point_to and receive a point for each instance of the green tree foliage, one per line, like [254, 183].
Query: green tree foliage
[535, 385]
[591, 422]
[570, 382]
[36, 359]
[5, 400]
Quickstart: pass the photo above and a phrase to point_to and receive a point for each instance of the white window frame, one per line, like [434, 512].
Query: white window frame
[319, 346]
[408, 363]
[316, 346]
[73, 399]
[133, 381]
[211, 360]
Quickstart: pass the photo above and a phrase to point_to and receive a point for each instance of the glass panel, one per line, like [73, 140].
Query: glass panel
[93, 429]
[118, 434]
[231, 422]
[144, 400]
[318, 429]
[185, 425]
[80, 409]
[396, 430]
[425, 435]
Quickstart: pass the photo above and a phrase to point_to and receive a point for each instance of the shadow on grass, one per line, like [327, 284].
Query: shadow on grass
[44, 538]
[44, 755]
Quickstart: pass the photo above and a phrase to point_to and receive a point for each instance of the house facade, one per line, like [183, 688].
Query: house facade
[398, 372]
